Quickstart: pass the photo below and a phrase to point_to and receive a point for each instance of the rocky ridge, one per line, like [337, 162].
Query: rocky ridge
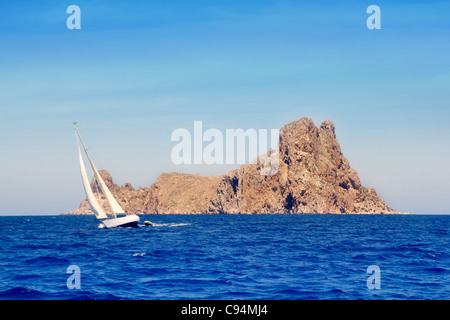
[313, 177]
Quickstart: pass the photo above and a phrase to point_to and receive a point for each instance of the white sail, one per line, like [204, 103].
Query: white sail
[114, 205]
[126, 221]
[95, 206]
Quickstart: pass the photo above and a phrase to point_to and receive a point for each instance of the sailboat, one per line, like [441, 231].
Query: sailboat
[118, 217]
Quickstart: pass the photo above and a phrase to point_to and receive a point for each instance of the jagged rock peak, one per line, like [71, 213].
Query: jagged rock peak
[328, 125]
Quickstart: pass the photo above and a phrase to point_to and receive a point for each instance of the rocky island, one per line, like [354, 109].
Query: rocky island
[313, 177]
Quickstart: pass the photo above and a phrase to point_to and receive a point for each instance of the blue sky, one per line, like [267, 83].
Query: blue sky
[137, 70]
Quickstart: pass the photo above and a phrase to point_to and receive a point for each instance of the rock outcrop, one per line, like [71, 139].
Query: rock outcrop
[313, 177]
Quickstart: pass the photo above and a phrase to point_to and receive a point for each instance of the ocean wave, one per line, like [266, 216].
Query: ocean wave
[436, 270]
[33, 277]
[140, 254]
[87, 295]
[170, 224]
[47, 261]
[21, 293]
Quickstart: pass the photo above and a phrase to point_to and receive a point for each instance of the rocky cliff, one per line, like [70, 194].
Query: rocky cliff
[313, 177]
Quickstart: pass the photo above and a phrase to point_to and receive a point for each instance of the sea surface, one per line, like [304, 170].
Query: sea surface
[227, 257]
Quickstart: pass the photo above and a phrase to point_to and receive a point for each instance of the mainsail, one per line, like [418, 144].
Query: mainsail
[114, 205]
[98, 211]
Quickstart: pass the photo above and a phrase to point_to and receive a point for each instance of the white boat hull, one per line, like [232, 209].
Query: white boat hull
[130, 221]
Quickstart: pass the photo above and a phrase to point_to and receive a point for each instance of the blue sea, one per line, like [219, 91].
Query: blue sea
[260, 257]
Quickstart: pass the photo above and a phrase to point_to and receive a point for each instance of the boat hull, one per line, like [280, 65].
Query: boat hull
[129, 221]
